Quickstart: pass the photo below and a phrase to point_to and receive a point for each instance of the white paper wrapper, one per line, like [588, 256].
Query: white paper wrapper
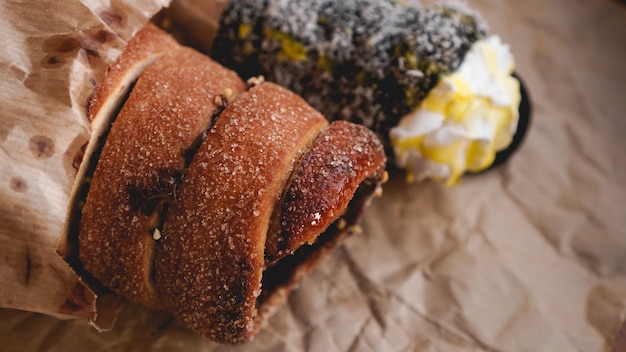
[528, 257]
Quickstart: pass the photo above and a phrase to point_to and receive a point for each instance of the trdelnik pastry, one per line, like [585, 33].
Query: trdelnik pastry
[430, 80]
[211, 197]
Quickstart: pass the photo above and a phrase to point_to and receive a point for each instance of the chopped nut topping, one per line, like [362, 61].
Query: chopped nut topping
[356, 229]
[385, 177]
[255, 81]
[228, 93]
[156, 234]
[341, 224]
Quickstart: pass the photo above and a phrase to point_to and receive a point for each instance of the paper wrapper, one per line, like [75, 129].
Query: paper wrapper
[54, 54]
[528, 257]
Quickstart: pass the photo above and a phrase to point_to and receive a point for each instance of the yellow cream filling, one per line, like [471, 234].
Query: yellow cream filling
[291, 48]
[481, 127]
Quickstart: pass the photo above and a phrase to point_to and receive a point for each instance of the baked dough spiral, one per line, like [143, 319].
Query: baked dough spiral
[213, 197]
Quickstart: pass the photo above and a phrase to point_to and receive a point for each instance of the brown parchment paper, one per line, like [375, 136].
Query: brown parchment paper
[53, 54]
[528, 257]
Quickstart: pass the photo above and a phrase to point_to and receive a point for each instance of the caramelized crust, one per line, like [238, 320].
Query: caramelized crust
[212, 208]
[210, 260]
[360, 151]
[147, 46]
[143, 49]
[143, 158]
[339, 160]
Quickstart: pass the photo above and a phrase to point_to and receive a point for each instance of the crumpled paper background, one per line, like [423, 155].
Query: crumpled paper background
[528, 257]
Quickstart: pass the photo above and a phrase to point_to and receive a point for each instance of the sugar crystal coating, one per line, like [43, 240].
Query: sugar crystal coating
[142, 159]
[192, 177]
[228, 196]
[339, 160]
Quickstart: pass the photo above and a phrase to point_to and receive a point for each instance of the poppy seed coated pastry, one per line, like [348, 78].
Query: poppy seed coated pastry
[429, 80]
[367, 61]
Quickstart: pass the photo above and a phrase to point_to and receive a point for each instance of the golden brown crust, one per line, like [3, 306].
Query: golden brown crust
[285, 274]
[144, 155]
[226, 200]
[269, 176]
[147, 46]
[143, 49]
[339, 160]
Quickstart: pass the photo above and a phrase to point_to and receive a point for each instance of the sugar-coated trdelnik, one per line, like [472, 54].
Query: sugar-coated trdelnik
[429, 80]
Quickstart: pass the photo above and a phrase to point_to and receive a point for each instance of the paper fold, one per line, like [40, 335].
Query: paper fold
[55, 54]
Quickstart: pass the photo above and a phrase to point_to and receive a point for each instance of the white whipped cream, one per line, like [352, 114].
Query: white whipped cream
[461, 124]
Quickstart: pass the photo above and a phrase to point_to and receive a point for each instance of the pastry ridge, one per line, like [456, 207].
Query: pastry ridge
[197, 175]
[227, 198]
[144, 155]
